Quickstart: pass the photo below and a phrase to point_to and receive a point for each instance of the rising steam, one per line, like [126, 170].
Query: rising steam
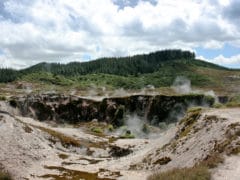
[182, 85]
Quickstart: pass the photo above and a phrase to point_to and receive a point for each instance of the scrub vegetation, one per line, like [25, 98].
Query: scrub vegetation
[158, 69]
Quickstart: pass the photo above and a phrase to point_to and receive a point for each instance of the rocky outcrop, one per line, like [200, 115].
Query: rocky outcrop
[204, 137]
[74, 109]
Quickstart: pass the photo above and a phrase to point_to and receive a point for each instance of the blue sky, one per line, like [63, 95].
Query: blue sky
[73, 30]
[227, 51]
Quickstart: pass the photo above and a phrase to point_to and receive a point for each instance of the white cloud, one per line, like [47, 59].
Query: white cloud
[224, 60]
[221, 60]
[224, 2]
[213, 45]
[66, 30]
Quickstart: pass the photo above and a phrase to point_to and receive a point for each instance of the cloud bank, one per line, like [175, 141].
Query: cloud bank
[73, 30]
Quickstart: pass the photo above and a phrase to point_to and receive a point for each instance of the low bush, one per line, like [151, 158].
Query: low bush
[193, 173]
[127, 135]
[97, 130]
[218, 105]
[234, 101]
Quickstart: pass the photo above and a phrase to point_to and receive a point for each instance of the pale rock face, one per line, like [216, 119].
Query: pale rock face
[29, 148]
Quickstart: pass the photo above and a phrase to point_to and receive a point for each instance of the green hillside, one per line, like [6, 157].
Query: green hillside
[158, 69]
[123, 66]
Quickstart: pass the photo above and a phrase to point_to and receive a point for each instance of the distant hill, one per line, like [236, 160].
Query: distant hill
[132, 65]
[158, 68]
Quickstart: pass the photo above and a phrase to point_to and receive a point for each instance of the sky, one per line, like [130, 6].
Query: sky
[33, 31]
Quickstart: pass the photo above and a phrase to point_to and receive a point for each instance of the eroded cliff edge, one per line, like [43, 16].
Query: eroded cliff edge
[73, 109]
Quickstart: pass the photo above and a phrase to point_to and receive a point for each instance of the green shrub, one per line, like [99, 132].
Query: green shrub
[234, 101]
[193, 173]
[218, 105]
[127, 135]
[189, 120]
[194, 109]
[233, 104]
[97, 130]
[110, 128]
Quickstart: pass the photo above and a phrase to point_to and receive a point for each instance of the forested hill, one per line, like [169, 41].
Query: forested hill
[132, 65]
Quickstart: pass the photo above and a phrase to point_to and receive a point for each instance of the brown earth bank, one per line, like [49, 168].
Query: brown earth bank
[74, 109]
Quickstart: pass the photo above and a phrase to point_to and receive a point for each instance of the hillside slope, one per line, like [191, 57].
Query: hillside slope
[158, 69]
[201, 76]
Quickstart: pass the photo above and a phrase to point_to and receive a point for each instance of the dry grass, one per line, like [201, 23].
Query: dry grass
[189, 120]
[97, 130]
[63, 156]
[194, 173]
[219, 105]
[234, 101]
[76, 175]
[66, 141]
[5, 176]
[233, 104]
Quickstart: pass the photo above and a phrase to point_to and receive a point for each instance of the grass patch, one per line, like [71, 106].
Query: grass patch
[66, 141]
[5, 176]
[97, 130]
[234, 101]
[195, 109]
[233, 104]
[63, 156]
[188, 121]
[74, 174]
[218, 105]
[127, 135]
[110, 128]
[193, 173]
[192, 115]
